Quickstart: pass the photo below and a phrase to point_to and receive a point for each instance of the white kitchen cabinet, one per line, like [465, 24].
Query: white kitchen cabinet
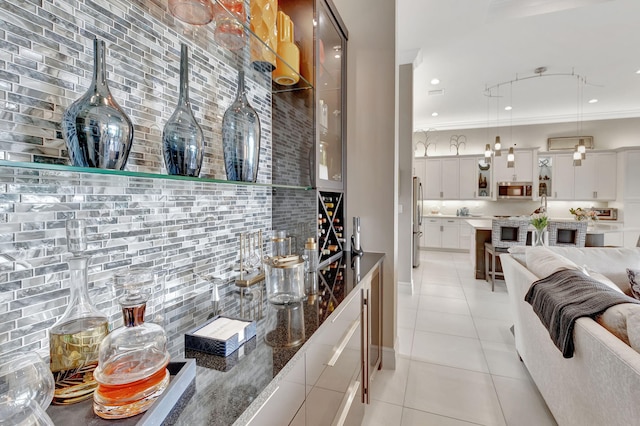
[631, 177]
[522, 170]
[464, 235]
[595, 179]
[450, 229]
[433, 179]
[432, 234]
[450, 182]
[468, 178]
[448, 233]
[563, 177]
[420, 168]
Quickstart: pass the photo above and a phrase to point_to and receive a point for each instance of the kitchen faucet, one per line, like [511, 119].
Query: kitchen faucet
[543, 203]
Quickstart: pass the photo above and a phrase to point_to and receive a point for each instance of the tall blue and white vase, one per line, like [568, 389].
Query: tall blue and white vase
[241, 137]
[182, 137]
[96, 130]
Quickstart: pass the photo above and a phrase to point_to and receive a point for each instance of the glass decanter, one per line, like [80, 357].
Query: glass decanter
[132, 371]
[74, 340]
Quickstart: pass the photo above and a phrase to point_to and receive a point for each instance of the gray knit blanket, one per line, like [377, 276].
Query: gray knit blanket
[566, 295]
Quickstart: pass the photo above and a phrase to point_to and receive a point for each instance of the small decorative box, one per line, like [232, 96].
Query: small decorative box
[220, 335]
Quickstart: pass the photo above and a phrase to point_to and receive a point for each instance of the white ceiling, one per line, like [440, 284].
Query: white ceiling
[474, 44]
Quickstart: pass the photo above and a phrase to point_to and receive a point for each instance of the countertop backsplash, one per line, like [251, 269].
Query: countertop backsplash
[187, 229]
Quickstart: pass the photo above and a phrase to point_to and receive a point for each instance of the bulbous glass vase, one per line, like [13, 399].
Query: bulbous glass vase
[241, 137]
[96, 130]
[182, 137]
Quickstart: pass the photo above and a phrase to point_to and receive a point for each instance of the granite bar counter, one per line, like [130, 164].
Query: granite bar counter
[231, 390]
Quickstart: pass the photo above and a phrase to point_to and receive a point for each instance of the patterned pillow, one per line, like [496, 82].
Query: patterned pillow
[634, 281]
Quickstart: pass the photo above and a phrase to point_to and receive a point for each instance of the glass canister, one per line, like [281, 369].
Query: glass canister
[132, 371]
[284, 278]
[74, 340]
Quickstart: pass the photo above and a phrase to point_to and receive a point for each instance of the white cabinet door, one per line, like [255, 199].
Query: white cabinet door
[606, 166]
[468, 178]
[420, 168]
[595, 179]
[563, 177]
[451, 233]
[631, 188]
[433, 180]
[522, 170]
[465, 235]
[450, 180]
[585, 179]
[433, 234]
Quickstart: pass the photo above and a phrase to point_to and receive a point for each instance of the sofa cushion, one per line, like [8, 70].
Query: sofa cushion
[609, 261]
[602, 278]
[623, 321]
[543, 262]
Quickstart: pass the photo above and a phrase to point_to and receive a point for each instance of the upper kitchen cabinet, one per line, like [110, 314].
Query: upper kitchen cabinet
[563, 185]
[596, 177]
[442, 179]
[525, 160]
[468, 176]
[483, 179]
[331, 50]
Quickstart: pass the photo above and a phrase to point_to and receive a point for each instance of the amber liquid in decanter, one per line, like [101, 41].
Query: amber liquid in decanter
[131, 372]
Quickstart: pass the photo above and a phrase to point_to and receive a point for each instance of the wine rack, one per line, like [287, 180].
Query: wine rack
[331, 289]
[331, 230]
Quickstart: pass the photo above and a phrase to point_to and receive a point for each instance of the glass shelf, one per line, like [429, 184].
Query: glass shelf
[251, 37]
[147, 175]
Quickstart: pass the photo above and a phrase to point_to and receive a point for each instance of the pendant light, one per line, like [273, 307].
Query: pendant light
[487, 154]
[580, 150]
[497, 146]
[511, 158]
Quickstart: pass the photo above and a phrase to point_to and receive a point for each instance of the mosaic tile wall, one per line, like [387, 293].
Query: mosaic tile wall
[189, 230]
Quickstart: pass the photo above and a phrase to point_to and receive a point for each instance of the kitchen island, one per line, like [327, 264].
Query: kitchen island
[481, 233]
[234, 390]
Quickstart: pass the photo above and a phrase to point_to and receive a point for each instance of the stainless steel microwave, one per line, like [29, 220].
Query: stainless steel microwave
[515, 190]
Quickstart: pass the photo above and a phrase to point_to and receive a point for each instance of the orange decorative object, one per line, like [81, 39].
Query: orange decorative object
[288, 60]
[263, 25]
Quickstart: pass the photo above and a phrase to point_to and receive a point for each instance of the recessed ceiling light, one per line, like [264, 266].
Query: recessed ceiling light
[508, 108]
[434, 114]
[593, 101]
[435, 81]
[638, 72]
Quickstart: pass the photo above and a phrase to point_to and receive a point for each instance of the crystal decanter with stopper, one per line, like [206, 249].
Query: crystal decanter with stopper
[74, 340]
[132, 371]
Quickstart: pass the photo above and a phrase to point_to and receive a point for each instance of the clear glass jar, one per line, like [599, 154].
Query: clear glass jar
[132, 371]
[74, 340]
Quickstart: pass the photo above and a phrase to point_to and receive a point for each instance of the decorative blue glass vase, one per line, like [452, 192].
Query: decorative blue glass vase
[96, 130]
[241, 137]
[182, 137]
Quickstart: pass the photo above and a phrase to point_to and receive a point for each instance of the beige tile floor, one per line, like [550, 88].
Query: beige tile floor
[457, 362]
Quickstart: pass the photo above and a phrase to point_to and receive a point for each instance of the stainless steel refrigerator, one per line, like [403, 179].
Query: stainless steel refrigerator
[416, 220]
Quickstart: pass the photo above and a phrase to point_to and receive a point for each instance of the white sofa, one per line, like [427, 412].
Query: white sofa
[600, 384]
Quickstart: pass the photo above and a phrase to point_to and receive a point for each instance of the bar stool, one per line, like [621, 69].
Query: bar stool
[569, 234]
[505, 233]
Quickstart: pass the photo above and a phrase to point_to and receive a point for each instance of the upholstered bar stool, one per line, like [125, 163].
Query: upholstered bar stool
[505, 233]
[570, 234]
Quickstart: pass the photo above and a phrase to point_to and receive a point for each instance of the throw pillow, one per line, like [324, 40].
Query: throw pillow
[634, 282]
[543, 262]
[599, 277]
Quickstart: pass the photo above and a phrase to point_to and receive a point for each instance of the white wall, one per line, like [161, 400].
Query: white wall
[405, 185]
[607, 134]
[372, 149]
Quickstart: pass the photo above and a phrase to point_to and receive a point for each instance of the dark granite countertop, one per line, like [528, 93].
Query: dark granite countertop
[226, 397]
